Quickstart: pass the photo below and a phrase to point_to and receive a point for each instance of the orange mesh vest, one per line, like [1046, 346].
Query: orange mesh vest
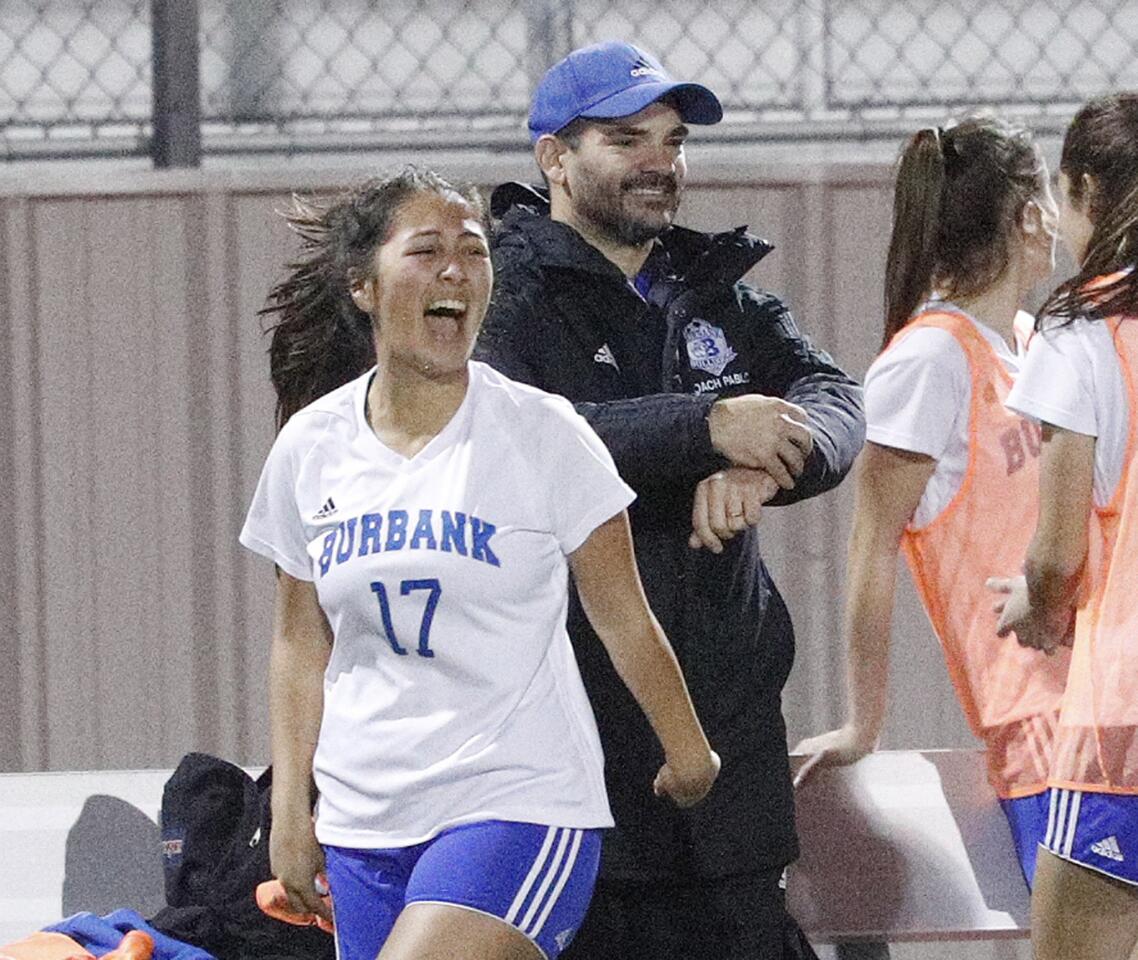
[1010, 695]
[1097, 743]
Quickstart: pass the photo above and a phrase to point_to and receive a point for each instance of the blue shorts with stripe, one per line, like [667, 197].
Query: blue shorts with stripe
[1095, 830]
[1027, 817]
[536, 878]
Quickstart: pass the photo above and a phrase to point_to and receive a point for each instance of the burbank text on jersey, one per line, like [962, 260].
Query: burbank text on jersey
[445, 530]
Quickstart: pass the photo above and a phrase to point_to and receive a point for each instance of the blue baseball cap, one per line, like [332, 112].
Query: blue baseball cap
[612, 79]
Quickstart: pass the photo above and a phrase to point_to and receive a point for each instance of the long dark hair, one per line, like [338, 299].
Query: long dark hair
[321, 339]
[1101, 146]
[960, 192]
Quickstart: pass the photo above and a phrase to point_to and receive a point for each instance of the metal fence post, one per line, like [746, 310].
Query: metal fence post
[814, 78]
[255, 65]
[549, 32]
[176, 140]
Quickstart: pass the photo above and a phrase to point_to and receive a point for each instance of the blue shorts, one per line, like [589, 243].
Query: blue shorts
[536, 878]
[1027, 816]
[1095, 830]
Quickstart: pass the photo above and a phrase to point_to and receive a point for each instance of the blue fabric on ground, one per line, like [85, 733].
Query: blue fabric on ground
[100, 935]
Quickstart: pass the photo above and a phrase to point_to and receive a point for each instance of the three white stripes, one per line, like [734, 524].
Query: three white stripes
[551, 867]
[1062, 819]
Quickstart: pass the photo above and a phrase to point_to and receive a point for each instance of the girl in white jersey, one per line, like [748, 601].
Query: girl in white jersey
[1080, 381]
[948, 475]
[423, 516]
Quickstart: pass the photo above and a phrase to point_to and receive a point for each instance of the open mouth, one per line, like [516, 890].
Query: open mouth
[652, 188]
[445, 317]
[657, 200]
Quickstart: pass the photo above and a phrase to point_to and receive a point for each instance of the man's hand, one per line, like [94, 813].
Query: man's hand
[726, 503]
[763, 433]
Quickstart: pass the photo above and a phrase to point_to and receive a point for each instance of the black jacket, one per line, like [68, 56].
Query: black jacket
[645, 371]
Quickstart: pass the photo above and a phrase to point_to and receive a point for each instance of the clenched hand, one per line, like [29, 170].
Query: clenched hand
[763, 433]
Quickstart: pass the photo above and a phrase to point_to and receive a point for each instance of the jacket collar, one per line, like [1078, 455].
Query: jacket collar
[694, 257]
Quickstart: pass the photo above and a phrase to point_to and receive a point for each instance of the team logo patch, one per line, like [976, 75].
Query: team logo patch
[707, 347]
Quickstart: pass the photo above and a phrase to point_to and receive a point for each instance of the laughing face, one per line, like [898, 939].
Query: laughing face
[624, 178]
[429, 285]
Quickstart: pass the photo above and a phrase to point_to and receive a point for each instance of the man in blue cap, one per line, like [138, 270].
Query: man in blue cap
[713, 405]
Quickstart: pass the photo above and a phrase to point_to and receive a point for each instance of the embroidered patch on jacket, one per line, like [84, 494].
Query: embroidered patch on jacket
[707, 347]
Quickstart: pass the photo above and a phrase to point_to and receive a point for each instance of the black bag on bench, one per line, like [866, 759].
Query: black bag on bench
[215, 850]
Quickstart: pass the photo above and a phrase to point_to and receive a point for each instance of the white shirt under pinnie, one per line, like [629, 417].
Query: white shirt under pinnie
[452, 694]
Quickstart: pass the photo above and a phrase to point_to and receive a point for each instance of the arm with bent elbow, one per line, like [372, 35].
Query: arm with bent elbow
[1043, 615]
[608, 583]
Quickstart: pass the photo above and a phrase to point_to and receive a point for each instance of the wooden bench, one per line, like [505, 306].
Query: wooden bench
[904, 846]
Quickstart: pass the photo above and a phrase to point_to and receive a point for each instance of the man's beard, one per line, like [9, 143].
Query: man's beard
[603, 206]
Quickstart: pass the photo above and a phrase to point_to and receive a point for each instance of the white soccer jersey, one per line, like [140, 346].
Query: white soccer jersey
[918, 395]
[1072, 379]
[452, 694]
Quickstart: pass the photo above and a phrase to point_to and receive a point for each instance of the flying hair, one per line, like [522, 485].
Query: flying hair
[320, 339]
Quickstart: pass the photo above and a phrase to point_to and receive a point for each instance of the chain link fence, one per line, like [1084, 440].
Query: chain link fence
[77, 76]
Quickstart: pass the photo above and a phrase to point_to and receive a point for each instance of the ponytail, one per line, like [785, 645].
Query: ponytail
[912, 256]
[957, 203]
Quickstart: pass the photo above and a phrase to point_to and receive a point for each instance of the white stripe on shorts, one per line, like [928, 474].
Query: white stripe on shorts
[535, 903]
[1072, 821]
[1053, 803]
[1056, 844]
[531, 877]
[570, 863]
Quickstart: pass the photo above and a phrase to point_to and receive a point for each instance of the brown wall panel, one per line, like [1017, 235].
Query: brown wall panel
[138, 413]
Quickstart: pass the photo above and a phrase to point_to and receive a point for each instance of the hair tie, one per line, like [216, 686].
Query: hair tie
[949, 149]
[938, 140]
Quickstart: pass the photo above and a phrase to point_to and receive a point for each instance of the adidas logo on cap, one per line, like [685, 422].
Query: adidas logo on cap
[642, 68]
